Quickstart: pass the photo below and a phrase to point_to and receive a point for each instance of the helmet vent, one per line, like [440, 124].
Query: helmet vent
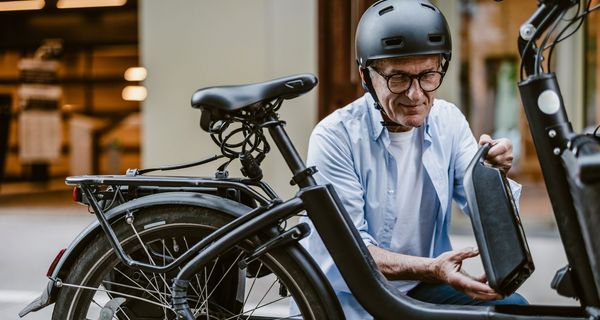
[397, 42]
[436, 38]
[386, 10]
[429, 6]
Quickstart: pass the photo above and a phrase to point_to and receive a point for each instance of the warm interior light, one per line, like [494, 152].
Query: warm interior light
[68, 4]
[134, 93]
[135, 74]
[22, 5]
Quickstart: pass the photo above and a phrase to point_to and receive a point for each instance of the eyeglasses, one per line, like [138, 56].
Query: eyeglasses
[400, 82]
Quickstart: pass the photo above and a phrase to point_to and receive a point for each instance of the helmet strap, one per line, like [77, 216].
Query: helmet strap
[446, 64]
[368, 85]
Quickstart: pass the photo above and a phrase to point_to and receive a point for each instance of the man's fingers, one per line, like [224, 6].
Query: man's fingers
[482, 278]
[498, 149]
[500, 154]
[483, 296]
[465, 253]
[465, 283]
[484, 138]
[502, 160]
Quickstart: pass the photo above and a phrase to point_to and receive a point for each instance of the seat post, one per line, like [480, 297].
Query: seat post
[289, 152]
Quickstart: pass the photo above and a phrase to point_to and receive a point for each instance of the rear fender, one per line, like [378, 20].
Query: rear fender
[64, 265]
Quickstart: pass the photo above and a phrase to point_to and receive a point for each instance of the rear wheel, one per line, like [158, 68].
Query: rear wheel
[100, 285]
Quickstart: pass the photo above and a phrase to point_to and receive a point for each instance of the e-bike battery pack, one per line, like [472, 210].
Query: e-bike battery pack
[496, 224]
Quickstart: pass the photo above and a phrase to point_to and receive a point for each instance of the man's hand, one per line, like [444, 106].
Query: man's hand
[448, 268]
[500, 155]
[444, 269]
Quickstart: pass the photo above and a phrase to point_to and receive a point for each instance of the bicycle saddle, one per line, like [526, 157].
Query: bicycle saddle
[232, 98]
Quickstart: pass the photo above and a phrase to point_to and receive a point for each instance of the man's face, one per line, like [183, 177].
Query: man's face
[409, 108]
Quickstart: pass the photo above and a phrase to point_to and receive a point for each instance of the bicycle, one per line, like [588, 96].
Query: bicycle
[217, 237]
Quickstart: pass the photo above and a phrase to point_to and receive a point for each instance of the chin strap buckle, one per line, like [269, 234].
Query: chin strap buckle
[302, 175]
[385, 123]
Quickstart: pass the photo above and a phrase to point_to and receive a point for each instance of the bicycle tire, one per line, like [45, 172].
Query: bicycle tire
[98, 276]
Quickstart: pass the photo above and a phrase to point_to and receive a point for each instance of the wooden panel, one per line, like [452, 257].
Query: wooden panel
[339, 83]
[593, 48]
[9, 61]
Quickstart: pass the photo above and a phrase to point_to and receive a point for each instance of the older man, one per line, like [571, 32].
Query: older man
[397, 157]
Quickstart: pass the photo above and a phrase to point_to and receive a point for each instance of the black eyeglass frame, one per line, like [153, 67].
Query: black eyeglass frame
[412, 77]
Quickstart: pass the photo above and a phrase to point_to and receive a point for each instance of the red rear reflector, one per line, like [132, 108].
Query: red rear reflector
[55, 262]
[77, 196]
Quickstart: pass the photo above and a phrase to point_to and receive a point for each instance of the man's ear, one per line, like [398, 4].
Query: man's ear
[362, 73]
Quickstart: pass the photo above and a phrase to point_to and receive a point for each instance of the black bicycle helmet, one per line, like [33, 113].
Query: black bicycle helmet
[397, 28]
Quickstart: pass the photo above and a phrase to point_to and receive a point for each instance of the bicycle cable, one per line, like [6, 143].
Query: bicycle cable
[579, 17]
[247, 125]
[530, 45]
[540, 53]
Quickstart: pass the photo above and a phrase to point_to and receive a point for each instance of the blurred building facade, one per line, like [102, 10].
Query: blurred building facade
[96, 46]
[187, 44]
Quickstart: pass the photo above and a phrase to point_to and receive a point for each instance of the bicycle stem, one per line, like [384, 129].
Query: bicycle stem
[539, 21]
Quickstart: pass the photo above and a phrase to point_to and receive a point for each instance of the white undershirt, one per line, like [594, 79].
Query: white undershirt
[414, 215]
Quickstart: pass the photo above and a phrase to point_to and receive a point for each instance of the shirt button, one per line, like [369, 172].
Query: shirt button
[391, 191]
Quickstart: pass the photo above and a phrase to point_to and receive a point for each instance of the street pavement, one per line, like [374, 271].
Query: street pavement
[31, 239]
[32, 234]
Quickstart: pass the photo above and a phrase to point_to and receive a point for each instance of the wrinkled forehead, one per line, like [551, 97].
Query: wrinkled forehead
[411, 63]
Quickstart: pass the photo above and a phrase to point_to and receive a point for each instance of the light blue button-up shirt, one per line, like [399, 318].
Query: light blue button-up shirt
[350, 148]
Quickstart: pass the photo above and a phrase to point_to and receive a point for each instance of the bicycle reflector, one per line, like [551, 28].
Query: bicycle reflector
[497, 226]
[55, 262]
[77, 195]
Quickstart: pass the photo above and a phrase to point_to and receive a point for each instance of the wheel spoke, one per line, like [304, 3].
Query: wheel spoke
[166, 248]
[161, 276]
[252, 286]
[159, 298]
[119, 308]
[223, 277]
[119, 293]
[251, 311]
[204, 289]
[200, 287]
[263, 298]
[217, 290]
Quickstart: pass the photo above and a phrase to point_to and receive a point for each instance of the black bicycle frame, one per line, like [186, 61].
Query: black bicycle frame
[351, 256]
[551, 131]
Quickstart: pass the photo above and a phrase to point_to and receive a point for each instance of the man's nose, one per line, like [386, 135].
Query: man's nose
[415, 93]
